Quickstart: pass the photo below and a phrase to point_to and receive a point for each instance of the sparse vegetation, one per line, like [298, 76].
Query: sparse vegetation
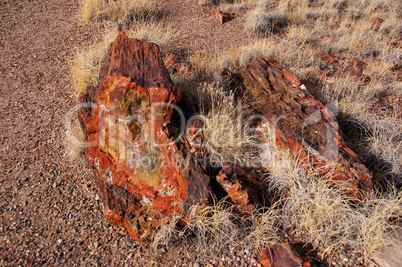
[317, 211]
[85, 66]
[321, 213]
[225, 126]
[117, 10]
[313, 210]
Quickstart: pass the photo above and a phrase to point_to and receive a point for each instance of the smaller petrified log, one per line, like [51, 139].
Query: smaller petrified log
[241, 187]
[221, 16]
[279, 255]
[144, 176]
[294, 122]
[288, 254]
[331, 67]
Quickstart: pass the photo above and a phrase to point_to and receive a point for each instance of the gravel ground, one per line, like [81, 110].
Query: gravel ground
[50, 212]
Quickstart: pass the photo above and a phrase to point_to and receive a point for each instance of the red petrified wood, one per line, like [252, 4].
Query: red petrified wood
[221, 16]
[139, 168]
[295, 123]
[241, 187]
[279, 255]
[288, 254]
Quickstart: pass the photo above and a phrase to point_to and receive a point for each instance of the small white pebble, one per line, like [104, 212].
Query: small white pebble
[60, 241]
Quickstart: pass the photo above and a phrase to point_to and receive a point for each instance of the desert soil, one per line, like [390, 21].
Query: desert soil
[50, 211]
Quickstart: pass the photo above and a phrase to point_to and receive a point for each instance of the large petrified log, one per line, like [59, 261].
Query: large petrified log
[295, 123]
[142, 173]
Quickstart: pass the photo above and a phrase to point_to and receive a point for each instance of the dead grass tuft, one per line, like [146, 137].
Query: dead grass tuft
[209, 227]
[155, 32]
[226, 130]
[262, 20]
[74, 142]
[321, 213]
[117, 10]
[86, 64]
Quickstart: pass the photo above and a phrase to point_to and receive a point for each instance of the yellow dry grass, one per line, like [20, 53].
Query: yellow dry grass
[74, 142]
[86, 64]
[226, 131]
[116, 10]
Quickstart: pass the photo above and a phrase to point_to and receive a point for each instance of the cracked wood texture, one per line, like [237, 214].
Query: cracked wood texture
[294, 122]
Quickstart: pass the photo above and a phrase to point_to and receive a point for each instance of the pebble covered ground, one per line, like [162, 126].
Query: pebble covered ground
[50, 210]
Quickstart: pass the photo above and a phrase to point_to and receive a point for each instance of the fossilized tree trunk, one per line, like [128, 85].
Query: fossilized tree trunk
[142, 173]
[295, 123]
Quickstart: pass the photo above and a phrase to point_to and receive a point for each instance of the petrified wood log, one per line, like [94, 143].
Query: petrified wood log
[294, 122]
[289, 254]
[144, 176]
[241, 187]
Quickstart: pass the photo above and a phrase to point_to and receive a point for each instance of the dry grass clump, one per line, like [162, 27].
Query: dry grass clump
[226, 130]
[263, 19]
[309, 209]
[386, 144]
[116, 10]
[86, 64]
[210, 228]
[204, 65]
[321, 213]
[155, 32]
[74, 141]
[264, 229]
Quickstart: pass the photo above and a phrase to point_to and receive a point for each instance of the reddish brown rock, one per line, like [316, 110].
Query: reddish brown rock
[280, 255]
[376, 22]
[174, 63]
[171, 60]
[141, 172]
[327, 58]
[295, 123]
[331, 67]
[222, 17]
[241, 187]
[289, 254]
